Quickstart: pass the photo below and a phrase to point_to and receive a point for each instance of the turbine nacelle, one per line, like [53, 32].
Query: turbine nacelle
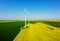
[26, 11]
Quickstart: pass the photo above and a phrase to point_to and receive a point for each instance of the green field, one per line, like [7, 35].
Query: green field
[9, 30]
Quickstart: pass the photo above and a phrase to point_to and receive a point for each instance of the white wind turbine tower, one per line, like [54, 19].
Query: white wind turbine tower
[25, 17]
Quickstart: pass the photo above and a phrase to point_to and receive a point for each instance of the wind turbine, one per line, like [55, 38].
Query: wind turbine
[25, 12]
[25, 15]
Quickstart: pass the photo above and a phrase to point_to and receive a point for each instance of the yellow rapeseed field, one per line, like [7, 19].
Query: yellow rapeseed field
[39, 32]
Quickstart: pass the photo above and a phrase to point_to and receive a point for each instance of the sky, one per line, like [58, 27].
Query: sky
[38, 9]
